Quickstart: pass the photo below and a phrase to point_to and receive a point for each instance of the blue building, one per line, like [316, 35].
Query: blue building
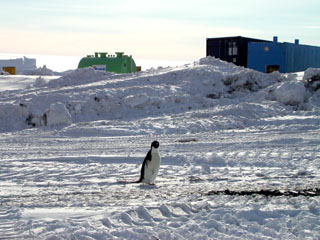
[264, 56]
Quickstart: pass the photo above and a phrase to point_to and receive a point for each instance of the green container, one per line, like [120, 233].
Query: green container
[101, 61]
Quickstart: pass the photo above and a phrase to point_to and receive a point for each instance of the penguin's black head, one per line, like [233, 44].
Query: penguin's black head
[155, 144]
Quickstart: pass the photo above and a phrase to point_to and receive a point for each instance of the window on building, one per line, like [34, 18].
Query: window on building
[230, 49]
[233, 49]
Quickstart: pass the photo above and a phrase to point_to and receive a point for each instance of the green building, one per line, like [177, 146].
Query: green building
[118, 63]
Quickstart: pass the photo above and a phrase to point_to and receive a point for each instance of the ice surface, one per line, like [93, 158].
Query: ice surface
[68, 146]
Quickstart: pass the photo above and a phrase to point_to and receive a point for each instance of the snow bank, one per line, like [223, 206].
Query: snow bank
[42, 71]
[227, 96]
[40, 81]
[19, 116]
[80, 76]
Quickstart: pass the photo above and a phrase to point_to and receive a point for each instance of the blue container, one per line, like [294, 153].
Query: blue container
[282, 57]
[300, 57]
[266, 56]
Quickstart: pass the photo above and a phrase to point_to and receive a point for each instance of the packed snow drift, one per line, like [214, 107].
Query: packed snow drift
[234, 97]
[240, 150]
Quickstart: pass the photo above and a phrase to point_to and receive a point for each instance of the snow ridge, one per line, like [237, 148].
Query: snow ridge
[218, 88]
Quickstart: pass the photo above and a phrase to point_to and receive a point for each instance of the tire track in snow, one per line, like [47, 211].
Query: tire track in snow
[81, 189]
[9, 218]
[69, 173]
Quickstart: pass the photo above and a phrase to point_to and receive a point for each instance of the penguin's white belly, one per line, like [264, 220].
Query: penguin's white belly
[152, 168]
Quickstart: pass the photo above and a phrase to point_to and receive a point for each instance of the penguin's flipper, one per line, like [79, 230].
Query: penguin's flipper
[146, 159]
[144, 165]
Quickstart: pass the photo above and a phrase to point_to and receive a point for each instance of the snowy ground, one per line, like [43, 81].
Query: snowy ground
[67, 145]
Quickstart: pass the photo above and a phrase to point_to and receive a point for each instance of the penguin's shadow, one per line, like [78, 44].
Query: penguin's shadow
[139, 185]
[148, 186]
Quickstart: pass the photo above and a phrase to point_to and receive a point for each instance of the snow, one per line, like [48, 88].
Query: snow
[310, 72]
[15, 82]
[57, 114]
[68, 144]
[42, 71]
[290, 93]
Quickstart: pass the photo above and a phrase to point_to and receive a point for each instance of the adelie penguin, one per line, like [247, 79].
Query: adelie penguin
[151, 164]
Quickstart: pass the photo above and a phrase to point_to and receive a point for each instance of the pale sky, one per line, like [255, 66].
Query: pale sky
[164, 29]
